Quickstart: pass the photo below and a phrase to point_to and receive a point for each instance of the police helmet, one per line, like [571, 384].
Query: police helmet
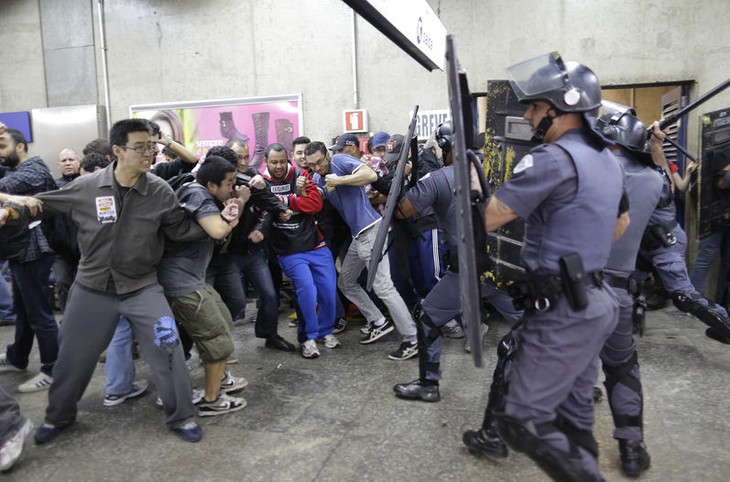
[445, 136]
[567, 86]
[620, 125]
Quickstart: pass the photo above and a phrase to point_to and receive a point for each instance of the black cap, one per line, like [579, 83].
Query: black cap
[345, 140]
[393, 148]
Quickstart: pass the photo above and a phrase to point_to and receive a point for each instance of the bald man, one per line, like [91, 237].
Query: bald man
[68, 163]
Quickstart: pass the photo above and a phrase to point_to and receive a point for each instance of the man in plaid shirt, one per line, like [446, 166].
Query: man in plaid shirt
[30, 258]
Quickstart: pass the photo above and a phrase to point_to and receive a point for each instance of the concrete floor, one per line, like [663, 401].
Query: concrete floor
[336, 419]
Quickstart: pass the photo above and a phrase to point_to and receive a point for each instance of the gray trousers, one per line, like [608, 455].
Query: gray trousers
[620, 349]
[89, 323]
[357, 257]
[10, 418]
[556, 366]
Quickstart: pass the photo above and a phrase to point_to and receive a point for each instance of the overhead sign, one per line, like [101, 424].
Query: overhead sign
[411, 25]
[355, 120]
[428, 120]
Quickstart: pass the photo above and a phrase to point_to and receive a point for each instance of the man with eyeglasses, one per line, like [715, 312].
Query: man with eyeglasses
[124, 215]
[343, 181]
[242, 151]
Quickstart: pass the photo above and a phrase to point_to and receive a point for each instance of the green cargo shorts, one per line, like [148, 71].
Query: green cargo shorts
[208, 322]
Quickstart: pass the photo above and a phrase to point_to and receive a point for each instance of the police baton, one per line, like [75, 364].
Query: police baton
[674, 117]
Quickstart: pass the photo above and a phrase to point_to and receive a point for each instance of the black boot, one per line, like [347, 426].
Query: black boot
[634, 457]
[417, 390]
[716, 335]
[486, 442]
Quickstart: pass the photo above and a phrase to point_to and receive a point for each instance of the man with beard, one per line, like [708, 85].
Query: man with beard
[302, 252]
[30, 258]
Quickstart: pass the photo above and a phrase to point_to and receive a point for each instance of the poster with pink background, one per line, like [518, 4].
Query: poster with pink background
[200, 125]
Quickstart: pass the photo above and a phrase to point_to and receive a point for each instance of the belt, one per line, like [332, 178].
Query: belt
[542, 292]
[627, 284]
[592, 279]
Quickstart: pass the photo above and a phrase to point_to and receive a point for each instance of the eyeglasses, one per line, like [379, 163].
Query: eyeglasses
[140, 149]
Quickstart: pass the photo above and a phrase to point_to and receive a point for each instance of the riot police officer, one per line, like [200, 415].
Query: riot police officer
[436, 189]
[619, 358]
[568, 191]
[663, 246]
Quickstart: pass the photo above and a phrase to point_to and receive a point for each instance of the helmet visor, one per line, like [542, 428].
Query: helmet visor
[539, 75]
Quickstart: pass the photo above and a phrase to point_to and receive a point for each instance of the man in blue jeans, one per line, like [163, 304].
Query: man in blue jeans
[30, 258]
[7, 314]
[303, 254]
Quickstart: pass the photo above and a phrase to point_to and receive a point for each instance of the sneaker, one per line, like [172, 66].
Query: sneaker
[36, 384]
[190, 432]
[232, 360]
[340, 324]
[309, 349]
[452, 330]
[138, 388]
[220, 406]
[293, 323]
[405, 351]
[467, 345]
[377, 332]
[231, 384]
[198, 396]
[6, 366]
[331, 341]
[12, 449]
[47, 433]
[366, 328]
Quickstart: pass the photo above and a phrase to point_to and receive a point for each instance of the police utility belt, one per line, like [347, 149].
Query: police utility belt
[542, 293]
[659, 236]
[628, 284]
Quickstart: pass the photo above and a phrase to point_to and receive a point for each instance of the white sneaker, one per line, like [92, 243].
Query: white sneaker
[366, 328]
[12, 449]
[309, 349]
[331, 341]
[231, 384]
[36, 384]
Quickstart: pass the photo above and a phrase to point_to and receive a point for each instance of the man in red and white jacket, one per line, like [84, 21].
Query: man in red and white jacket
[303, 255]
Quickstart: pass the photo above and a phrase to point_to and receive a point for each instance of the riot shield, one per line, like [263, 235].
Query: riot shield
[394, 195]
[714, 205]
[468, 276]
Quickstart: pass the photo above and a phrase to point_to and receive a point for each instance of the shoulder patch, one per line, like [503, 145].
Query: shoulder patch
[525, 163]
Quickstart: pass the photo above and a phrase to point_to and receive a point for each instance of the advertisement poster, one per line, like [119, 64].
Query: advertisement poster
[200, 125]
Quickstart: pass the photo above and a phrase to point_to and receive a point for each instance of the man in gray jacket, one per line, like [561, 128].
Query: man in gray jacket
[124, 214]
